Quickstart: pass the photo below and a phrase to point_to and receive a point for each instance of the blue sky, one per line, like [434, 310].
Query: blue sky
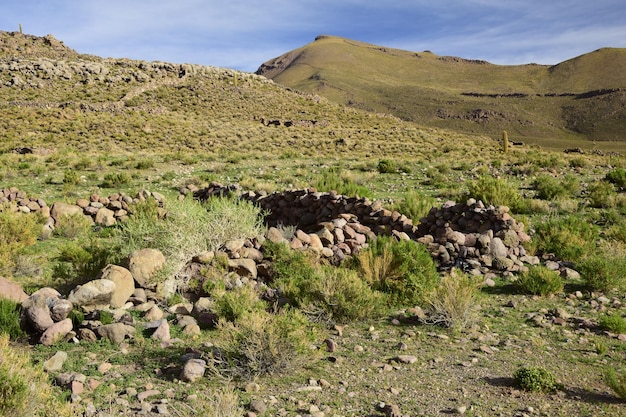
[243, 34]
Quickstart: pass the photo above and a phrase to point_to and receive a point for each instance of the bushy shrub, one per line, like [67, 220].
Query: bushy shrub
[234, 304]
[402, 269]
[17, 231]
[616, 381]
[454, 302]
[333, 179]
[496, 191]
[24, 389]
[601, 195]
[601, 272]
[115, 180]
[613, 323]
[414, 205]
[262, 343]
[551, 188]
[10, 318]
[539, 280]
[71, 177]
[73, 226]
[323, 293]
[536, 379]
[189, 228]
[617, 176]
[387, 166]
[78, 261]
[569, 238]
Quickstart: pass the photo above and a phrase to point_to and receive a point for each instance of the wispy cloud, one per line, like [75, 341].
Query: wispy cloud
[243, 34]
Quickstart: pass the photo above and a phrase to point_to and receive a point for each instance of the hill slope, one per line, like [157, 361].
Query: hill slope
[550, 104]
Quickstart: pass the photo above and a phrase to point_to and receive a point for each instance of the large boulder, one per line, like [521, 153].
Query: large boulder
[60, 210]
[124, 284]
[105, 217]
[143, 264]
[94, 295]
[11, 291]
[115, 332]
[56, 332]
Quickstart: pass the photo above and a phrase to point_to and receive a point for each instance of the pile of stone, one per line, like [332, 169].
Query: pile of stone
[469, 235]
[23, 203]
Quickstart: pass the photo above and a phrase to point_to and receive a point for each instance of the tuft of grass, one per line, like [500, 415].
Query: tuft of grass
[333, 179]
[616, 381]
[567, 237]
[414, 205]
[496, 191]
[73, 226]
[454, 301]
[613, 323]
[536, 379]
[539, 280]
[16, 233]
[603, 273]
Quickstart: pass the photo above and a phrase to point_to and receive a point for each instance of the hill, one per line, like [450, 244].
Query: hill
[582, 98]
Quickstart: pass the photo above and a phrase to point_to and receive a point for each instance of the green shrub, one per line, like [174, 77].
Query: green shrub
[569, 238]
[414, 205]
[115, 180]
[73, 226]
[403, 269]
[613, 323]
[233, 304]
[496, 191]
[617, 176]
[535, 379]
[551, 188]
[387, 166]
[616, 381]
[10, 318]
[601, 195]
[78, 262]
[17, 231]
[539, 280]
[333, 179]
[454, 302]
[262, 343]
[601, 272]
[145, 164]
[24, 389]
[323, 293]
[71, 177]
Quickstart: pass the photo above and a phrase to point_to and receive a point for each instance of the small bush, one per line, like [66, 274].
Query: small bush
[601, 195]
[613, 323]
[539, 280]
[617, 176]
[616, 381]
[496, 191]
[551, 188]
[73, 226]
[333, 179]
[222, 403]
[24, 389]
[569, 238]
[115, 180]
[455, 301]
[403, 269]
[535, 379]
[71, 177]
[387, 166]
[17, 232]
[79, 262]
[10, 318]
[414, 205]
[233, 304]
[262, 343]
[601, 272]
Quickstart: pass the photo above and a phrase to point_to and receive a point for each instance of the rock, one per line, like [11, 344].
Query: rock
[115, 332]
[407, 359]
[192, 329]
[162, 332]
[274, 235]
[498, 249]
[193, 370]
[391, 410]
[105, 217]
[331, 345]
[56, 332]
[60, 309]
[155, 313]
[460, 409]
[39, 318]
[243, 267]
[258, 406]
[124, 284]
[60, 210]
[86, 335]
[94, 295]
[55, 363]
[11, 291]
[143, 265]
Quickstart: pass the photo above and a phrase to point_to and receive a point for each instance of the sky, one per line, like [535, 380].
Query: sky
[242, 34]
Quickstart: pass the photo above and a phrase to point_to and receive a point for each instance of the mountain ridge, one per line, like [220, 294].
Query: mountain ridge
[532, 100]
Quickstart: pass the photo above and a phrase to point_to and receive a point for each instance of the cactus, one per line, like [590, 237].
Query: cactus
[20, 28]
[505, 141]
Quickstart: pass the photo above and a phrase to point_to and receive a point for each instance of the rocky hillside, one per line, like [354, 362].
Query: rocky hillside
[553, 105]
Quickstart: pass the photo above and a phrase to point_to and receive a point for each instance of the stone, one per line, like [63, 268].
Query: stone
[86, 335]
[60, 308]
[143, 265]
[155, 313]
[94, 295]
[124, 284]
[407, 359]
[498, 249]
[274, 235]
[39, 318]
[105, 217]
[56, 332]
[193, 370]
[12, 291]
[115, 332]
[162, 331]
[258, 406]
[60, 210]
[55, 363]
[243, 267]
